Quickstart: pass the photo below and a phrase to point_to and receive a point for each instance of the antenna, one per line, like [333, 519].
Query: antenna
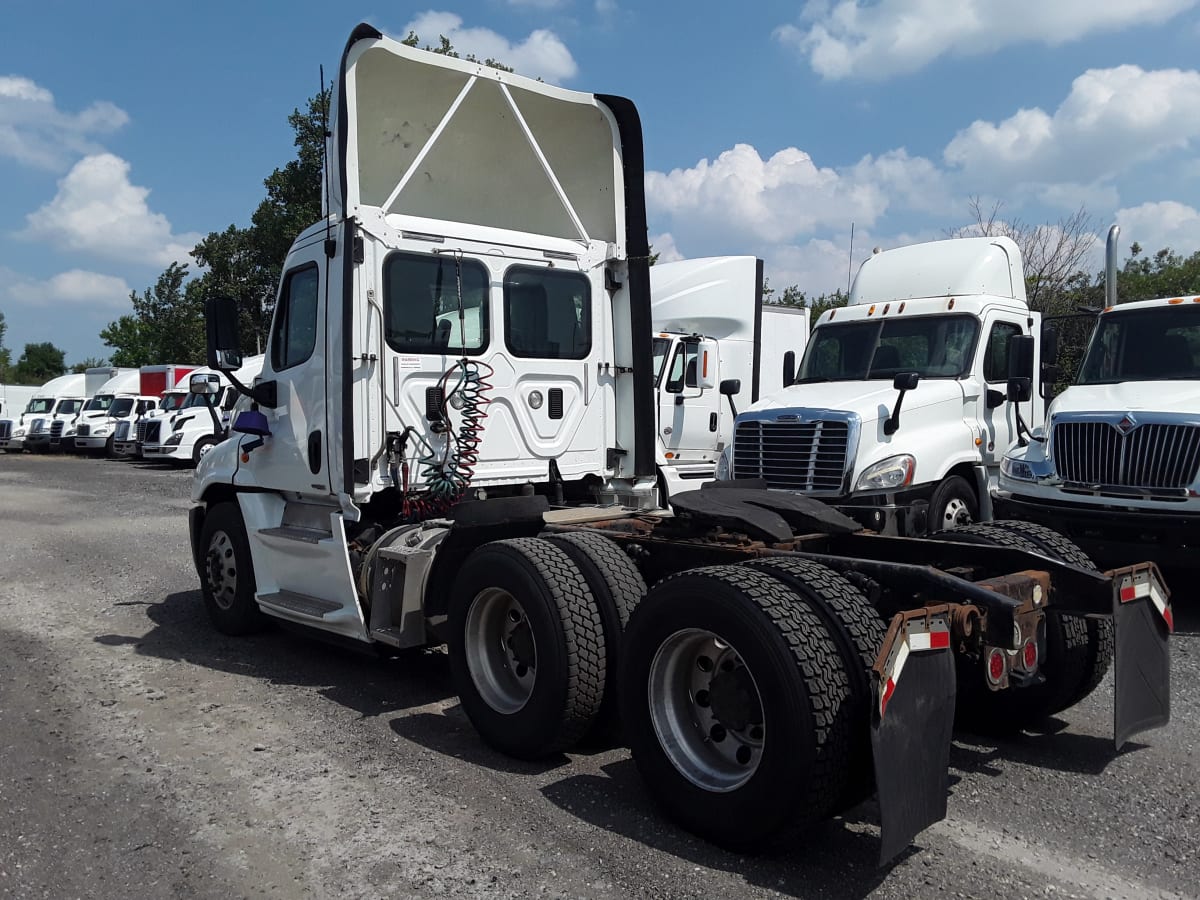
[850, 261]
[325, 200]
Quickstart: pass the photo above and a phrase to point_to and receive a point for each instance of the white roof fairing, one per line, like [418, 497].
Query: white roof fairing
[424, 133]
[959, 267]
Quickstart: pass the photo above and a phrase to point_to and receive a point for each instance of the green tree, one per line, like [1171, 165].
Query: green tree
[5, 355]
[39, 363]
[445, 48]
[129, 340]
[167, 325]
[91, 362]
[793, 296]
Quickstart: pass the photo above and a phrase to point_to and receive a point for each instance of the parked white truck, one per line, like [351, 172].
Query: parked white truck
[473, 318]
[14, 398]
[40, 427]
[200, 424]
[101, 387]
[169, 384]
[118, 400]
[716, 345]
[900, 413]
[1118, 465]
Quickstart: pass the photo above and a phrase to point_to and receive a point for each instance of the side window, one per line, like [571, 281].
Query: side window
[294, 332]
[435, 304]
[995, 357]
[547, 313]
[683, 369]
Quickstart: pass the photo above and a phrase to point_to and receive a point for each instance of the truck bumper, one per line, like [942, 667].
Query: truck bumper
[91, 443]
[13, 445]
[903, 514]
[1113, 536]
[162, 451]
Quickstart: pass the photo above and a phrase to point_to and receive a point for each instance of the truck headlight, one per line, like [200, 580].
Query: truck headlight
[174, 439]
[101, 431]
[887, 474]
[725, 464]
[1016, 469]
[20, 432]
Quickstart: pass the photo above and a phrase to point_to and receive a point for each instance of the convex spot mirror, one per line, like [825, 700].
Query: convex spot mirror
[204, 384]
[906, 381]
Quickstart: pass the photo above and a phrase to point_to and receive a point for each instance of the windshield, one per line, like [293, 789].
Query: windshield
[1156, 344]
[661, 346]
[120, 407]
[172, 402]
[100, 402]
[69, 407]
[931, 346]
[194, 400]
[41, 405]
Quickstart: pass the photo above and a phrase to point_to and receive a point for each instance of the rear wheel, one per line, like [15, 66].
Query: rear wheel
[736, 704]
[527, 648]
[1065, 663]
[617, 587]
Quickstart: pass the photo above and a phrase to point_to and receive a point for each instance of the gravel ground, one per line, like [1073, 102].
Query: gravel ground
[144, 755]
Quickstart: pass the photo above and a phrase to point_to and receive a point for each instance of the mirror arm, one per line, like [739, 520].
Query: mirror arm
[732, 408]
[265, 394]
[892, 423]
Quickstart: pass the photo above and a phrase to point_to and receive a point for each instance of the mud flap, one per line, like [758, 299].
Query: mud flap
[911, 726]
[1142, 620]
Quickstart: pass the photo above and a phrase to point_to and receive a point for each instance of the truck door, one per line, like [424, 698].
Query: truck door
[998, 418]
[294, 458]
[688, 417]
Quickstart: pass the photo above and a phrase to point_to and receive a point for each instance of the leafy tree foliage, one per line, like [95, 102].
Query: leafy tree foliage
[793, 296]
[91, 362]
[5, 354]
[167, 325]
[39, 363]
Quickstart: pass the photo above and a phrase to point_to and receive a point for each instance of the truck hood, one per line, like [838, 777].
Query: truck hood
[870, 399]
[1158, 396]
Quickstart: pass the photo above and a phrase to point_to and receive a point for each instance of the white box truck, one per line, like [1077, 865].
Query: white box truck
[900, 414]
[14, 398]
[1117, 466]
[466, 339]
[169, 384]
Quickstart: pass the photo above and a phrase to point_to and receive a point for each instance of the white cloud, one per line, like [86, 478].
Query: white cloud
[1112, 119]
[98, 211]
[877, 38]
[1157, 225]
[537, 4]
[35, 132]
[606, 7]
[76, 287]
[540, 55]
[664, 246]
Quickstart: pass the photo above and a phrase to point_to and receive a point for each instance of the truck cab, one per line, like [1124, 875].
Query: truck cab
[1117, 466]
[200, 424]
[127, 440]
[41, 426]
[99, 434]
[900, 412]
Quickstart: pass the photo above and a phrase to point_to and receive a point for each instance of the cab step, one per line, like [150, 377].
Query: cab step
[303, 604]
[298, 533]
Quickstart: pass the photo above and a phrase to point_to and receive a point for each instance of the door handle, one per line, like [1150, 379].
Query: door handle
[314, 452]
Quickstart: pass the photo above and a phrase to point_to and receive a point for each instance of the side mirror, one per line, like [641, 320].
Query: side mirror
[204, 384]
[251, 421]
[789, 368]
[906, 381]
[706, 365]
[221, 324]
[1021, 350]
[731, 386]
[903, 382]
[1049, 346]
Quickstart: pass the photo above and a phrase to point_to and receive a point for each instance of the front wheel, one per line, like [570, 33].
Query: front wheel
[201, 448]
[227, 580]
[954, 505]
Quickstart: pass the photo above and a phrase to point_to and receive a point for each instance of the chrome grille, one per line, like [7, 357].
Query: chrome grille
[152, 433]
[1153, 455]
[797, 456]
[56, 427]
[5, 430]
[141, 430]
[83, 431]
[38, 426]
[122, 432]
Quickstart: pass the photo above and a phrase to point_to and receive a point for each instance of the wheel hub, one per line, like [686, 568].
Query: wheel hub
[222, 570]
[501, 651]
[734, 700]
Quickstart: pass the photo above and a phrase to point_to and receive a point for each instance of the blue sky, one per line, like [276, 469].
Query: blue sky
[130, 129]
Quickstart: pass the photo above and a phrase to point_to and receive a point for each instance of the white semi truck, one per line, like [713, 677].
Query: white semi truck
[102, 385]
[168, 383]
[900, 412]
[454, 441]
[200, 424]
[14, 398]
[40, 427]
[118, 401]
[715, 345]
[1117, 466]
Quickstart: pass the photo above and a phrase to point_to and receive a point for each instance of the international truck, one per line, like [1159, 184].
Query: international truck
[39, 428]
[899, 413]
[200, 424]
[1117, 466]
[169, 384]
[453, 440]
[715, 345]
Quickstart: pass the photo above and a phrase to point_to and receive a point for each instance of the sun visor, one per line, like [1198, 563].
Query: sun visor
[432, 137]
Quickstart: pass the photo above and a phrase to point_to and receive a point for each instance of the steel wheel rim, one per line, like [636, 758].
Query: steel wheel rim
[716, 744]
[500, 650]
[221, 561]
[204, 448]
[956, 514]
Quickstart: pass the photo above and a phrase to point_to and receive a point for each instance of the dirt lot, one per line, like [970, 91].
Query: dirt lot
[144, 755]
